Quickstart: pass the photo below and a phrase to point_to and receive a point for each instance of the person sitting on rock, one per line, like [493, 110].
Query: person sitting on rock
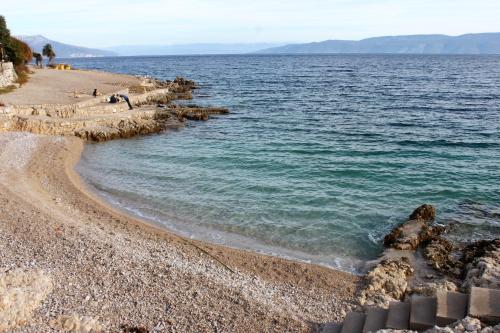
[114, 99]
[96, 93]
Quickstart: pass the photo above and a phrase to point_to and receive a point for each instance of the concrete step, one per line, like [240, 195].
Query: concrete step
[485, 304]
[353, 323]
[376, 319]
[423, 312]
[399, 316]
[451, 307]
[332, 328]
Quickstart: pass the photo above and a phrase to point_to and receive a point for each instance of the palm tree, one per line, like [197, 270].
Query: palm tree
[49, 52]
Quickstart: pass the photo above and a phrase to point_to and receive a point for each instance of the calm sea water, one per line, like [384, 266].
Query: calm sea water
[321, 154]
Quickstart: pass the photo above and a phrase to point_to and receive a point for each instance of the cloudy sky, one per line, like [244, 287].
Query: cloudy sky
[104, 23]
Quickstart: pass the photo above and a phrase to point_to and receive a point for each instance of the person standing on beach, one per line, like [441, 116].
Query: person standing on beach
[125, 97]
[38, 59]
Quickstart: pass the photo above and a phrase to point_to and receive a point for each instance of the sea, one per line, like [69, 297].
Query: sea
[320, 156]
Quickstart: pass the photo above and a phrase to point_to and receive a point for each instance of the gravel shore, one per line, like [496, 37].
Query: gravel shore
[71, 263]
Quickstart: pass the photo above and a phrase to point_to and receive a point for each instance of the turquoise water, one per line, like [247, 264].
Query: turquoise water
[320, 156]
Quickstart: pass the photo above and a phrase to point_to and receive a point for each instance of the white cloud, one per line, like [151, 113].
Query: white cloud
[113, 22]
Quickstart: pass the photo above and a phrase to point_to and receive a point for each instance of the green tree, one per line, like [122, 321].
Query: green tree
[4, 36]
[48, 51]
[16, 51]
[4, 31]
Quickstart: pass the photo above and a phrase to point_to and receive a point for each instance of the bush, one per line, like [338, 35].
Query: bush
[22, 75]
[8, 89]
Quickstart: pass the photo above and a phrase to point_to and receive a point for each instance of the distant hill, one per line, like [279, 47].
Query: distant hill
[486, 43]
[186, 49]
[63, 50]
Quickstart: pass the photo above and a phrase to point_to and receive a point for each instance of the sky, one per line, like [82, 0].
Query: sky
[107, 23]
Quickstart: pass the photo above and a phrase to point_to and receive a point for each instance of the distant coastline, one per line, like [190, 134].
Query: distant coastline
[482, 43]
[485, 43]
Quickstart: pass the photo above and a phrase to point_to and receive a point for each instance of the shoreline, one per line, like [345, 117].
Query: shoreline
[76, 261]
[303, 295]
[92, 193]
[228, 239]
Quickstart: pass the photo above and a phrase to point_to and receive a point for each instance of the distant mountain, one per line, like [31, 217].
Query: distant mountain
[63, 50]
[486, 43]
[186, 49]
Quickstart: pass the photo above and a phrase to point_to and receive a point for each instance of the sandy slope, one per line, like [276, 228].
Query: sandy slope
[119, 272]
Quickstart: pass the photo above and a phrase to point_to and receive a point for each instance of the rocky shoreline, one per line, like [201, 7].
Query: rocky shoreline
[420, 260]
[98, 120]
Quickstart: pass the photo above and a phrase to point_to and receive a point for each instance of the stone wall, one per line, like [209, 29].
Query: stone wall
[7, 74]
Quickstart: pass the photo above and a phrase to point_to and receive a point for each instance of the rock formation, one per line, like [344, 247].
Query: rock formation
[484, 269]
[97, 120]
[387, 282]
[416, 230]
[441, 255]
[422, 261]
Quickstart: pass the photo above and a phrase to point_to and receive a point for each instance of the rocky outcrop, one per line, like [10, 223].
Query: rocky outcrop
[482, 261]
[443, 256]
[425, 213]
[387, 282]
[194, 112]
[478, 264]
[416, 230]
[128, 127]
[430, 263]
[97, 120]
[184, 83]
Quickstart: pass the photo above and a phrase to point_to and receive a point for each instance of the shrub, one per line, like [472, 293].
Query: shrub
[6, 90]
[22, 75]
